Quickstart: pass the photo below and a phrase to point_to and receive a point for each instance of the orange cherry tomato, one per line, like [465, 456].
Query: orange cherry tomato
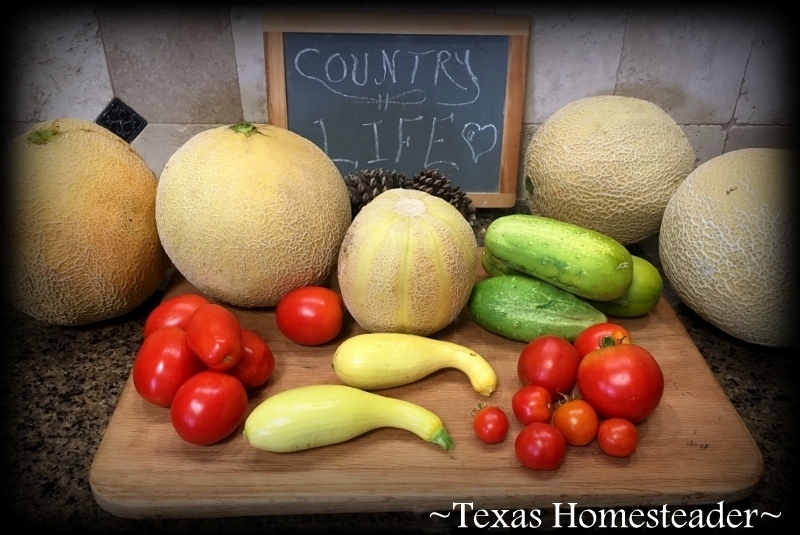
[600, 335]
[577, 421]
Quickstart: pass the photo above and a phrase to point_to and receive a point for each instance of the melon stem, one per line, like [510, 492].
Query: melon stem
[244, 128]
[42, 136]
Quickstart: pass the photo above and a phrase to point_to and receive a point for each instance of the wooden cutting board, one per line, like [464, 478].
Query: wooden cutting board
[694, 449]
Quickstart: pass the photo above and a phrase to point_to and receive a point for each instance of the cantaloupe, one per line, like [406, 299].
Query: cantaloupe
[407, 263]
[608, 163]
[83, 245]
[726, 242]
[248, 212]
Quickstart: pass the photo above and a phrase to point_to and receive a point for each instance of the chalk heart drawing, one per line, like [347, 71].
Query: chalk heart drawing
[477, 137]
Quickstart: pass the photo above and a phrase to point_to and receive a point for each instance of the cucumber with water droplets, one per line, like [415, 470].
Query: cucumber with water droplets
[523, 308]
[574, 258]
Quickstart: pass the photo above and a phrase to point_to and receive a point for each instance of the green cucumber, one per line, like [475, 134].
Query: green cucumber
[523, 308]
[642, 295]
[579, 260]
[494, 267]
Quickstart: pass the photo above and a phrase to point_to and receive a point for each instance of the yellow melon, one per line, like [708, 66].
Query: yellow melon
[407, 263]
[608, 163]
[725, 244]
[250, 211]
[82, 228]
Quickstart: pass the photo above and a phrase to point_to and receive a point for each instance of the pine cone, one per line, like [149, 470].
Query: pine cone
[434, 182]
[365, 185]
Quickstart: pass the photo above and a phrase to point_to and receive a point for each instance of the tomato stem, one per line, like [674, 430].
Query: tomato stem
[607, 341]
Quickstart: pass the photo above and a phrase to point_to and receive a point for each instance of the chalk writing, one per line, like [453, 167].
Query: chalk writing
[408, 102]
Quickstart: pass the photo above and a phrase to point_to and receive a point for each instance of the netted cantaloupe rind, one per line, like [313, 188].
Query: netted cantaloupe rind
[726, 244]
[84, 246]
[609, 163]
[247, 215]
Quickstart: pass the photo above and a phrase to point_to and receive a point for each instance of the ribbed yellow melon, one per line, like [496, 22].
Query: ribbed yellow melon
[609, 163]
[407, 263]
[250, 211]
[82, 228]
[725, 244]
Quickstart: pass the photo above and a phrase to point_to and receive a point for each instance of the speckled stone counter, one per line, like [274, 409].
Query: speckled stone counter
[61, 386]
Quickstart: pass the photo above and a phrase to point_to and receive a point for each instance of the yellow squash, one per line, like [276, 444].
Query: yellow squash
[374, 361]
[318, 415]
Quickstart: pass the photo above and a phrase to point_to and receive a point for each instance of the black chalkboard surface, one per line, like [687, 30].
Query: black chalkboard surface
[405, 93]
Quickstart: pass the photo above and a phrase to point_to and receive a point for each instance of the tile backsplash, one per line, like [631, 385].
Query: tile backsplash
[723, 76]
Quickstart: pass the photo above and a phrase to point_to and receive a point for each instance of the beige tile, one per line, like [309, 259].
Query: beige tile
[573, 53]
[57, 66]
[766, 92]
[707, 141]
[770, 137]
[688, 61]
[173, 65]
[248, 39]
[158, 142]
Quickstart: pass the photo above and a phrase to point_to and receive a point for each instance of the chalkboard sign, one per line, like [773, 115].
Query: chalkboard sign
[405, 92]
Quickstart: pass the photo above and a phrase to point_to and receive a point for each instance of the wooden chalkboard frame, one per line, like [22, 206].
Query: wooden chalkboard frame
[516, 27]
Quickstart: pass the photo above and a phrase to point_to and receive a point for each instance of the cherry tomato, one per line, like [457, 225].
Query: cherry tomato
[490, 424]
[617, 437]
[549, 361]
[215, 335]
[208, 407]
[623, 381]
[311, 315]
[577, 421]
[600, 335]
[162, 364]
[257, 361]
[173, 312]
[540, 446]
[532, 403]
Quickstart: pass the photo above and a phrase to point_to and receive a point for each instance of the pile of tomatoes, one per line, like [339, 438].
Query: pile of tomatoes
[596, 388]
[197, 360]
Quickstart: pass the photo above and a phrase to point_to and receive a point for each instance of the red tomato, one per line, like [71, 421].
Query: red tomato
[215, 335]
[623, 381]
[532, 403]
[617, 437]
[577, 421]
[257, 361]
[311, 315]
[540, 446]
[600, 335]
[549, 361]
[208, 407]
[173, 312]
[162, 364]
[490, 424]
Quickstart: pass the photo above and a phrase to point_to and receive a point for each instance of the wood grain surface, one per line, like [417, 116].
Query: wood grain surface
[694, 449]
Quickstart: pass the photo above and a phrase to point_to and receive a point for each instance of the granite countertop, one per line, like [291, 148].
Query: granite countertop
[62, 385]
